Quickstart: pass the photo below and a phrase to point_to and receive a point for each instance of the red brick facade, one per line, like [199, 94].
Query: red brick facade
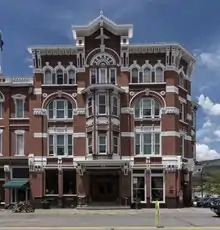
[96, 106]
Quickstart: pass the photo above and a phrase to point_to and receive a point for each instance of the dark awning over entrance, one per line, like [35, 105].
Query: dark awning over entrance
[16, 183]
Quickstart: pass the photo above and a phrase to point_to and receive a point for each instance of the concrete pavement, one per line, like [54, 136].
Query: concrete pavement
[182, 219]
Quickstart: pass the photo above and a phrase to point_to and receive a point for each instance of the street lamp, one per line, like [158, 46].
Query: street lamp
[201, 170]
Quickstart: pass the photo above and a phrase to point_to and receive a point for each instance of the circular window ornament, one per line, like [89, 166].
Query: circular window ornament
[44, 95]
[131, 93]
[162, 93]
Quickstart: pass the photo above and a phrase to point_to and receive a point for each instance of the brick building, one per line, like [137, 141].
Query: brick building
[104, 120]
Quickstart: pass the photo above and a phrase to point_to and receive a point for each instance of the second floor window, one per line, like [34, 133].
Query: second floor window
[102, 143]
[147, 108]
[147, 143]
[19, 151]
[19, 108]
[60, 109]
[71, 76]
[60, 144]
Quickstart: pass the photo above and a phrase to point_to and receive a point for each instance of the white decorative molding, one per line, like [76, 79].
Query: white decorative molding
[188, 138]
[182, 100]
[169, 110]
[170, 134]
[19, 131]
[65, 130]
[125, 88]
[76, 135]
[39, 112]
[2, 97]
[80, 89]
[127, 110]
[18, 96]
[189, 97]
[54, 50]
[79, 111]
[40, 135]
[102, 120]
[127, 134]
[37, 91]
[189, 117]
[140, 129]
[193, 133]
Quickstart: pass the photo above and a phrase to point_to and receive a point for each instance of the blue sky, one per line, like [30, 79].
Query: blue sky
[193, 23]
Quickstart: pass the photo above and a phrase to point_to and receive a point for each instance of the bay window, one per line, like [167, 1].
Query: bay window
[60, 109]
[138, 186]
[93, 76]
[89, 143]
[102, 143]
[147, 143]
[182, 143]
[89, 106]
[147, 108]
[112, 75]
[115, 143]
[115, 106]
[157, 186]
[102, 104]
[60, 144]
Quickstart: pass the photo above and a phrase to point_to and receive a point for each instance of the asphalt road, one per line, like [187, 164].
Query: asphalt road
[191, 218]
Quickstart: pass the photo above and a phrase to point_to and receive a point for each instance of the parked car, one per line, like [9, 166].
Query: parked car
[216, 209]
[209, 202]
[202, 201]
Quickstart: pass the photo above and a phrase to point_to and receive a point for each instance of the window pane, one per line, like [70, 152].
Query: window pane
[20, 144]
[147, 75]
[60, 77]
[159, 75]
[72, 76]
[157, 182]
[157, 194]
[134, 73]
[156, 108]
[1, 109]
[60, 114]
[19, 108]
[139, 188]
[60, 139]
[102, 140]
[102, 99]
[112, 76]
[60, 104]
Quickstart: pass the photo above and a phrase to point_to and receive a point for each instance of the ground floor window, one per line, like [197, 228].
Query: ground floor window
[157, 186]
[18, 195]
[139, 186]
[2, 192]
[51, 181]
[69, 182]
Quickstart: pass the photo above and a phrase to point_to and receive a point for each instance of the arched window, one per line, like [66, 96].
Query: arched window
[159, 74]
[47, 77]
[146, 75]
[71, 76]
[134, 75]
[60, 109]
[59, 77]
[147, 108]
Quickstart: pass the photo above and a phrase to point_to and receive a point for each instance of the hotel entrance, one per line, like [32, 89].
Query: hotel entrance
[104, 188]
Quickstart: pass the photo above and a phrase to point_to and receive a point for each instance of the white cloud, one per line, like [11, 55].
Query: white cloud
[208, 106]
[203, 152]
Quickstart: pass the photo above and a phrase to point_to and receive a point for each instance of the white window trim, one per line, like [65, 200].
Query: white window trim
[164, 186]
[51, 76]
[55, 109]
[152, 116]
[106, 144]
[145, 185]
[182, 138]
[87, 144]
[109, 75]
[118, 105]
[19, 132]
[87, 106]
[182, 107]
[143, 70]
[152, 145]
[68, 76]
[106, 104]
[55, 145]
[90, 75]
[118, 145]
[181, 80]
[19, 97]
[155, 73]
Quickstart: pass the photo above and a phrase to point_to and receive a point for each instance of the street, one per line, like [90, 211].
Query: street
[67, 219]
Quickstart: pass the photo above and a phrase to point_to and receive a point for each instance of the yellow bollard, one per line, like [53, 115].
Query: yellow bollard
[157, 214]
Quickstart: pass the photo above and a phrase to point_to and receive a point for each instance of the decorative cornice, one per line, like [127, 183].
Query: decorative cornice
[39, 112]
[79, 111]
[169, 110]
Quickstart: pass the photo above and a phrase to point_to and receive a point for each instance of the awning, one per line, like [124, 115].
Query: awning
[16, 183]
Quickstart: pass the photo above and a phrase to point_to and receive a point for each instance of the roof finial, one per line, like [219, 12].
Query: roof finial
[101, 13]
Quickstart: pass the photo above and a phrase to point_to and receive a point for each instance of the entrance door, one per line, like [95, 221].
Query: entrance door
[104, 188]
